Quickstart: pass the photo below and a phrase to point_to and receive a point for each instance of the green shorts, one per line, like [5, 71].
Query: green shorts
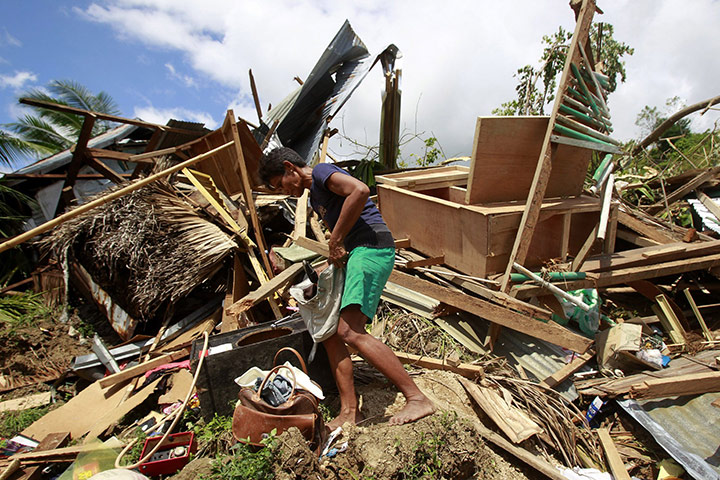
[366, 273]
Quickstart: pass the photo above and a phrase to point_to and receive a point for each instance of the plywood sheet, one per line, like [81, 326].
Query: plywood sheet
[505, 154]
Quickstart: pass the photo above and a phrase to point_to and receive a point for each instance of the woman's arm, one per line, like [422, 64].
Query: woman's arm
[356, 194]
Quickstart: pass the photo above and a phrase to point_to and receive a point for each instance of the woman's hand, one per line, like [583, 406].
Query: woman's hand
[338, 255]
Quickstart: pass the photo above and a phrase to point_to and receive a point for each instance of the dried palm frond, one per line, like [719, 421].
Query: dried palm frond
[145, 248]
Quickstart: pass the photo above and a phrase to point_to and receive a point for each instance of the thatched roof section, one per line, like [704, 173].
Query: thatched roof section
[146, 249]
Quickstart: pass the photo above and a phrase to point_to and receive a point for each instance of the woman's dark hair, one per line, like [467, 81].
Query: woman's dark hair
[271, 164]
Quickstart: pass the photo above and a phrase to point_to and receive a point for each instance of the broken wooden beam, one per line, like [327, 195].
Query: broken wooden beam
[617, 467]
[561, 375]
[137, 370]
[678, 385]
[465, 369]
[265, 290]
[515, 423]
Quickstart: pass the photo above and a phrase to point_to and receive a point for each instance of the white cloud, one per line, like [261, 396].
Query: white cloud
[458, 59]
[163, 115]
[8, 40]
[186, 80]
[17, 80]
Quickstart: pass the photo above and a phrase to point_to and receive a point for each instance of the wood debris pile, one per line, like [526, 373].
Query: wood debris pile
[520, 244]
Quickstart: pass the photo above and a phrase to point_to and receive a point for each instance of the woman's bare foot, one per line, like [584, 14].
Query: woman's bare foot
[414, 409]
[344, 417]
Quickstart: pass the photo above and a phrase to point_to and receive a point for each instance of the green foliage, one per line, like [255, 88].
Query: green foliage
[47, 131]
[14, 422]
[365, 171]
[21, 310]
[246, 462]
[134, 454]
[432, 153]
[325, 413]
[532, 100]
[215, 436]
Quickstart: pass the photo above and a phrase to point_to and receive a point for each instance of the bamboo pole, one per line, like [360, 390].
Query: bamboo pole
[49, 225]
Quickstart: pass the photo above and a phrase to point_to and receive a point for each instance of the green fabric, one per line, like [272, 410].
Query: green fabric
[367, 272]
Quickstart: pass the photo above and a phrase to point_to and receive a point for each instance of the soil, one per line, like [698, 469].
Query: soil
[40, 350]
[443, 445]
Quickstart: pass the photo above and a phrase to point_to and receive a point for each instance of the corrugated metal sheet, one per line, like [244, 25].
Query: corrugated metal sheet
[688, 428]
[538, 358]
[47, 165]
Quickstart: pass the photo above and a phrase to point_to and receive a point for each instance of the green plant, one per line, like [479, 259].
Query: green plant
[246, 462]
[432, 153]
[532, 100]
[86, 329]
[21, 310]
[215, 436]
[13, 422]
[325, 412]
[134, 454]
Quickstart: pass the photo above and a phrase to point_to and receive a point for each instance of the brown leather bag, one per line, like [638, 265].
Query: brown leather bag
[254, 418]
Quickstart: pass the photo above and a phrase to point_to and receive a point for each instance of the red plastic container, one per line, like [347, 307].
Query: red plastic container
[172, 455]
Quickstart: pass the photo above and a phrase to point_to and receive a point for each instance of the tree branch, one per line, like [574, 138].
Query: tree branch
[704, 105]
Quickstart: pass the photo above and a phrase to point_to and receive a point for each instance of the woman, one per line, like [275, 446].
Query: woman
[361, 242]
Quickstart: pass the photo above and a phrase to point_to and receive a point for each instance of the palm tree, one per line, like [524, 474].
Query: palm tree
[36, 136]
[47, 132]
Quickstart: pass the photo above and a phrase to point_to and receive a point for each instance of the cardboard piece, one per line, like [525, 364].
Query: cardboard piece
[624, 337]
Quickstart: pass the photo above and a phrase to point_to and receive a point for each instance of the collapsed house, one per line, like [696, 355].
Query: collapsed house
[507, 257]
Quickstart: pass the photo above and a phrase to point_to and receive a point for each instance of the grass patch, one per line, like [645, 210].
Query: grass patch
[14, 422]
[246, 462]
[21, 310]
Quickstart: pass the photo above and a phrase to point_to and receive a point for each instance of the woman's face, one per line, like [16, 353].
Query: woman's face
[289, 183]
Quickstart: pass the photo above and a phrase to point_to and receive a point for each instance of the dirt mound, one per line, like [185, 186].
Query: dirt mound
[443, 445]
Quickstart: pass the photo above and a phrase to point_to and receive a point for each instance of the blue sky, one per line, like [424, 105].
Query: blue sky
[185, 59]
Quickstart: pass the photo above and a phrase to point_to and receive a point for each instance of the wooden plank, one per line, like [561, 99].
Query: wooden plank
[317, 228]
[50, 442]
[609, 245]
[109, 154]
[647, 255]
[617, 277]
[301, 215]
[465, 369]
[617, 467]
[669, 320]
[515, 423]
[137, 370]
[690, 384]
[709, 203]
[564, 244]
[550, 332]
[402, 243]
[530, 214]
[505, 153]
[78, 159]
[682, 191]
[426, 179]
[706, 332]
[585, 249]
[103, 116]
[644, 229]
[528, 458]
[104, 170]
[426, 262]
[575, 142]
[266, 290]
[563, 373]
[28, 401]
[247, 191]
